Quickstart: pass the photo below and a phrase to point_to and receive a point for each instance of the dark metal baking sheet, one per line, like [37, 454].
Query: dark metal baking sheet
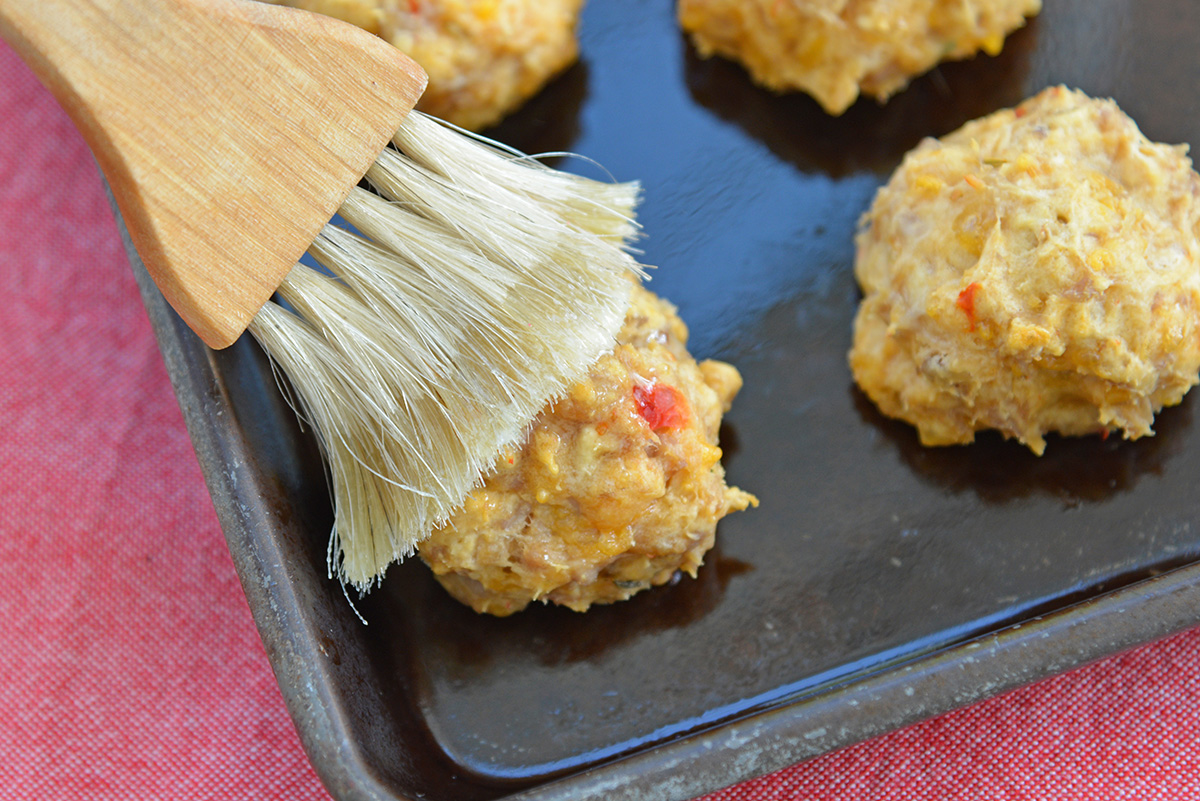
[878, 583]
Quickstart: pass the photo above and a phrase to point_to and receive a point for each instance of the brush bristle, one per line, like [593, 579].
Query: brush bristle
[478, 286]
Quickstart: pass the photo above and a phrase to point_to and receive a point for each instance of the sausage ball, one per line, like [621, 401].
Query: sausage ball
[618, 487]
[484, 57]
[836, 49]
[1037, 270]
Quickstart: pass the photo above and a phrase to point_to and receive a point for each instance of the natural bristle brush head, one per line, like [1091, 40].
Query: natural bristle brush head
[477, 286]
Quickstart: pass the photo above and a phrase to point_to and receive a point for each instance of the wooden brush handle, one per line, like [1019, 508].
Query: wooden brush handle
[230, 131]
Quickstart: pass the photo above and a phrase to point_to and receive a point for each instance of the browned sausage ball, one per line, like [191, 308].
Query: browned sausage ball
[1037, 270]
[835, 49]
[618, 486]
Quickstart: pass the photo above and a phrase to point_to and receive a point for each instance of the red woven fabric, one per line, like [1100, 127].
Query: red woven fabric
[130, 667]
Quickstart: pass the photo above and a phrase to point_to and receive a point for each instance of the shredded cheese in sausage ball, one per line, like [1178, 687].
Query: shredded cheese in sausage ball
[836, 49]
[1037, 270]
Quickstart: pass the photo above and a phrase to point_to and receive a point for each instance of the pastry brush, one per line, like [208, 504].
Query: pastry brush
[470, 286]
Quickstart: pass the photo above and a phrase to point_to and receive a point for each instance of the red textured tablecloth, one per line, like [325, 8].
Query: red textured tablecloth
[130, 667]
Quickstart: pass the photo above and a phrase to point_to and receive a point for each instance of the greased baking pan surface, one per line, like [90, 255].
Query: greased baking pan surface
[879, 582]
